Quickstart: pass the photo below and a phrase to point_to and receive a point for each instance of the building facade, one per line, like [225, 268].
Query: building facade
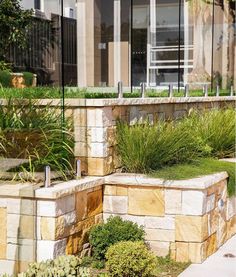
[157, 42]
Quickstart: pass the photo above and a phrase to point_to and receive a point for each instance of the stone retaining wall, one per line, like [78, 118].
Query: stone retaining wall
[95, 122]
[38, 224]
[189, 219]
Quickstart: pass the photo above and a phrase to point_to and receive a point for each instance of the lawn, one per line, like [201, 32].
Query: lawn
[198, 168]
[55, 92]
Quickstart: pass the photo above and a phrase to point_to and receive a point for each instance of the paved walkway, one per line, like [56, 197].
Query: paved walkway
[216, 265]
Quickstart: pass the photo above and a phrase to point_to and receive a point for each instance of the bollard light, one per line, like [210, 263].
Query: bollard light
[217, 90]
[231, 91]
[120, 90]
[170, 90]
[143, 90]
[47, 176]
[205, 89]
[186, 90]
[78, 169]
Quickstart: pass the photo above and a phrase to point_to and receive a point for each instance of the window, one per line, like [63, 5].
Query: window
[37, 5]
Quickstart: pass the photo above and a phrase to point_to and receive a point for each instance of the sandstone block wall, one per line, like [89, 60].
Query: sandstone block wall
[41, 224]
[95, 124]
[188, 222]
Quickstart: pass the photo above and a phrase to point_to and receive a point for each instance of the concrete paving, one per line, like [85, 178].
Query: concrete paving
[217, 265]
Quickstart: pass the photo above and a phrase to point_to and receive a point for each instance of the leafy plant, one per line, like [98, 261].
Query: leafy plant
[5, 78]
[130, 259]
[14, 25]
[105, 234]
[62, 266]
[35, 133]
[28, 78]
[5, 66]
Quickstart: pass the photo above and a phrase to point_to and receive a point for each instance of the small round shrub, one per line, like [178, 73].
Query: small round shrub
[28, 78]
[130, 259]
[5, 78]
[105, 234]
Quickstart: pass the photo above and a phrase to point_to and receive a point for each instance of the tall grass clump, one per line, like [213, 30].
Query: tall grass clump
[145, 147]
[215, 129]
[28, 131]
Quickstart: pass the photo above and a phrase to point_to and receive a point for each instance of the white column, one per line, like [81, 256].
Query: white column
[117, 42]
[81, 44]
[153, 38]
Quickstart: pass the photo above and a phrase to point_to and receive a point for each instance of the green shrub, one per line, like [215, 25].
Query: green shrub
[28, 78]
[105, 234]
[130, 259]
[5, 78]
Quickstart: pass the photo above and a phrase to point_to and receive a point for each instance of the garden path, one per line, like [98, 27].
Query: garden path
[221, 264]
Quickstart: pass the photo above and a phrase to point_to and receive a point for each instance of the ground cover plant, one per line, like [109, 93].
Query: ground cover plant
[55, 92]
[36, 134]
[145, 148]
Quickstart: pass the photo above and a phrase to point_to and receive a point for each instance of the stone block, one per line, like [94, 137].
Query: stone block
[115, 204]
[100, 117]
[159, 235]
[121, 191]
[3, 226]
[221, 231]
[159, 248]
[80, 117]
[182, 252]
[3, 202]
[173, 251]
[211, 245]
[50, 249]
[210, 202]
[3, 250]
[81, 205]
[231, 227]
[81, 149]
[231, 207]
[21, 252]
[136, 219]
[98, 150]
[100, 166]
[173, 201]
[97, 134]
[56, 208]
[146, 202]
[8, 267]
[166, 222]
[197, 252]
[110, 190]
[80, 134]
[20, 226]
[20, 206]
[193, 202]
[72, 245]
[191, 228]
[94, 203]
[213, 219]
[48, 228]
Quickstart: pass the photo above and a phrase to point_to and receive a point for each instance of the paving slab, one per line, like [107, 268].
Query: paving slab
[8, 163]
[221, 264]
